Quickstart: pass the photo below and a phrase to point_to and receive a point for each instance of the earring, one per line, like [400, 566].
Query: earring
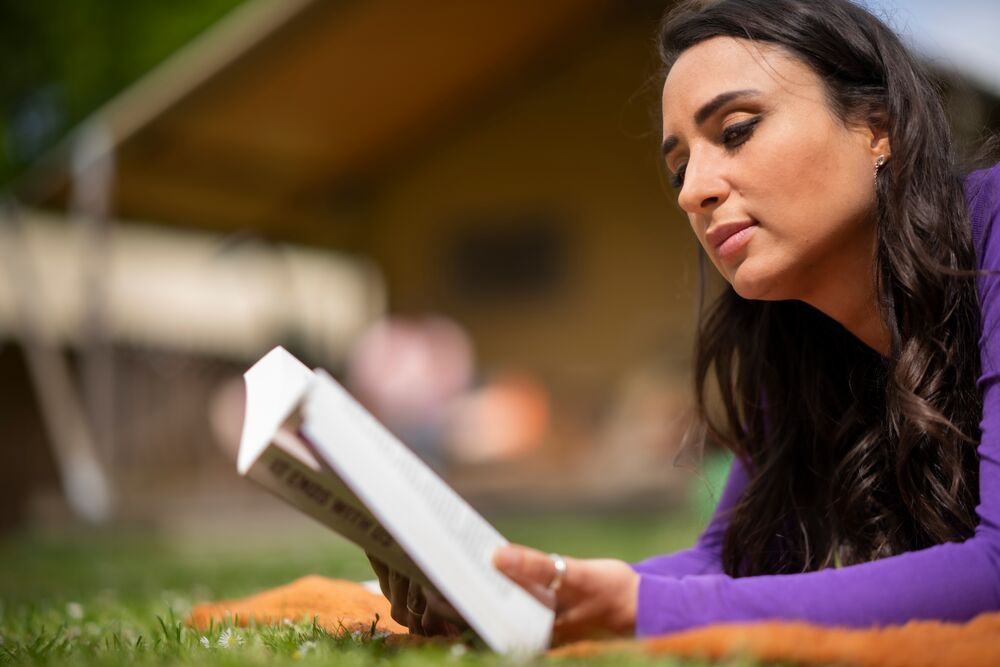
[879, 162]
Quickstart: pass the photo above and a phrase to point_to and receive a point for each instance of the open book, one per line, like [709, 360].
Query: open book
[309, 442]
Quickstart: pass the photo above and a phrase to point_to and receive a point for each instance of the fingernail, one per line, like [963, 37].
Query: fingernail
[503, 557]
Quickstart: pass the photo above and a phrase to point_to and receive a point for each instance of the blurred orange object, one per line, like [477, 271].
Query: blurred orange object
[916, 644]
[507, 418]
[337, 606]
[345, 605]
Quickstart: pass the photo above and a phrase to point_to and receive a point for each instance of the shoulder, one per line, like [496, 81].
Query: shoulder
[982, 192]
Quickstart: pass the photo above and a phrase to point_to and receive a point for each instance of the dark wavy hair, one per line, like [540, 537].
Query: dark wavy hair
[852, 456]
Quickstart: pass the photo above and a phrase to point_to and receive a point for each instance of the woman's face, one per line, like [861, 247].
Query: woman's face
[778, 191]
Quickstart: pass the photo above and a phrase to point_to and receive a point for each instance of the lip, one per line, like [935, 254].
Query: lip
[718, 235]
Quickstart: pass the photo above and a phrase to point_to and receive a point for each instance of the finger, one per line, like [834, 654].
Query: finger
[415, 601]
[378, 566]
[573, 616]
[382, 572]
[435, 625]
[452, 630]
[545, 595]
[415, 607]
[432, 624]
[576, 621]
[528, 567]
[415, 624]
[398, 589]
[579, 623]
[442, 608]
[531, 569]
[524, 565]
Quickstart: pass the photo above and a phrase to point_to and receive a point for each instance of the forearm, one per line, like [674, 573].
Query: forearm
[947, 582]
[697, 560]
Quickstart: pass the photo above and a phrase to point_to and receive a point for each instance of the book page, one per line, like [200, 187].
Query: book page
[450, 542]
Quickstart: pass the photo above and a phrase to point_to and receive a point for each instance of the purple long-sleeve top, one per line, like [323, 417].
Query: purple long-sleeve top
[953, 581]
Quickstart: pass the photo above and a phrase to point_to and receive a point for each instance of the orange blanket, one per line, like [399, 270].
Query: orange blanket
[337, 605]
[343, 605]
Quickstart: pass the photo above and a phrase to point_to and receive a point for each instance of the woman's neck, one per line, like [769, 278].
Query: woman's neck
[867, 326]
[852, 300]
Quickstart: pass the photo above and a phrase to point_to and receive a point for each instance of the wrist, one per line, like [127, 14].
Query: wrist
[625, 622]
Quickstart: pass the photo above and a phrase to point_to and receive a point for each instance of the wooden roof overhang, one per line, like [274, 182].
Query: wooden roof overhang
[272, 120]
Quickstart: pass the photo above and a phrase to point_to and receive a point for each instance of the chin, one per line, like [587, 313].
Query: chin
[751, 282]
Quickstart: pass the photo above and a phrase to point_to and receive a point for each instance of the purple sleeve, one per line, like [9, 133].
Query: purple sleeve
[705, 557]
[952, 581]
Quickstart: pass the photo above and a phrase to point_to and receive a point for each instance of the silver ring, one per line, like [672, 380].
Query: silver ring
[560, 564]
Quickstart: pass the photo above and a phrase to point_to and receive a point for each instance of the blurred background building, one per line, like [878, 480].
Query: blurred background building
[457, 208]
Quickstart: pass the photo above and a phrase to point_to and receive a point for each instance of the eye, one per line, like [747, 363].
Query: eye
[677, 179]
[734, 135]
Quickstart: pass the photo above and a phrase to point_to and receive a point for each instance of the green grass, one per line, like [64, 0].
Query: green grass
[121, 598]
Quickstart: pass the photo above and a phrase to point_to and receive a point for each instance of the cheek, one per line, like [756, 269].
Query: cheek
[796, 168]
[811, 180]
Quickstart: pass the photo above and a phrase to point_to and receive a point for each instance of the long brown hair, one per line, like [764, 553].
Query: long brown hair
[852, 456]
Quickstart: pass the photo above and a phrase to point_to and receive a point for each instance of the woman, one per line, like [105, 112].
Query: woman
[854, 355]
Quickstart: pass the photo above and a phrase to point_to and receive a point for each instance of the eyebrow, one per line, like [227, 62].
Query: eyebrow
[706, 110]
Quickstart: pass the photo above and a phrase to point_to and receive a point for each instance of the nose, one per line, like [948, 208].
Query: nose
[704, 188]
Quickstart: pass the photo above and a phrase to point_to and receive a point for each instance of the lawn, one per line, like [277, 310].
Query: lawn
[121, 598]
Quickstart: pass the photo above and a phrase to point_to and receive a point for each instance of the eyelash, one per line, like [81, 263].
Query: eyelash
[732, 138]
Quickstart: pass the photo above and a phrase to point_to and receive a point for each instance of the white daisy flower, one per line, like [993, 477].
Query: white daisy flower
[229, 639]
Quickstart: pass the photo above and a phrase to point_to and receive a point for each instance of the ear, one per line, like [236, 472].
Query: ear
[877, 135]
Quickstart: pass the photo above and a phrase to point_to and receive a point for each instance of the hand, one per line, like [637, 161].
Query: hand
[424, 612]
[597, 597]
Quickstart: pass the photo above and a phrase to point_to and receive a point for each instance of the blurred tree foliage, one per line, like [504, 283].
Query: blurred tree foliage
[62, 59]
